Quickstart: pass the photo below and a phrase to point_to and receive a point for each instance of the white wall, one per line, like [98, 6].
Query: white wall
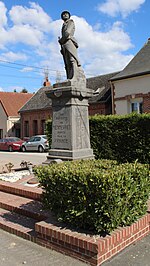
[122, 107]
[10, 123]
[7, 123]
[3, 120]
[129, 87]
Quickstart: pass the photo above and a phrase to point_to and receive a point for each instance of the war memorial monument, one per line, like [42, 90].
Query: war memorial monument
[70, 122]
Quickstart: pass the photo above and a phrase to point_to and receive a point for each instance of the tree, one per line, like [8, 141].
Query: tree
[24, 90]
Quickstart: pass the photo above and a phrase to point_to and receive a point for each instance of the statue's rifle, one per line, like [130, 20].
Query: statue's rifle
[62, 52]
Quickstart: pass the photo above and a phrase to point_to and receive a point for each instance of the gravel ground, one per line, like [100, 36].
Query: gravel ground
[14, 176]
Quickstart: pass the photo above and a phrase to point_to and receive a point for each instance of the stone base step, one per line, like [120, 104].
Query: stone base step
[17, 224]
[25, 206]
[21, 190]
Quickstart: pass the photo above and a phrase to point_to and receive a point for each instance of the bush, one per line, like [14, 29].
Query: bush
[122, 138]
[97, 195]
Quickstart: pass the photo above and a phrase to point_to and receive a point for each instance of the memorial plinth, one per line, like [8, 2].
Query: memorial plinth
[70, 122]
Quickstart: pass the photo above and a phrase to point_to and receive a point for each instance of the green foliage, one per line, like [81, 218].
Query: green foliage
[100, 195]
[122, 138]
[24, 90]
[97, 195]
[49, 131]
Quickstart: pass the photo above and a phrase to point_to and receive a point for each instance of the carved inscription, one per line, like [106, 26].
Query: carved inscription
[61, 130]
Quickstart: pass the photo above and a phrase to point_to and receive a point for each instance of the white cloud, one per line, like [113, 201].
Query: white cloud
[33, 16]
[25, 34]
[27, 69]
[26, 26]
[99, 52]
[117, 7]
[1, 89]
[36, 40]
[3, 17]
[4, 37]
[102, 52]
[107, 64]
[115, 39]
[11, 56]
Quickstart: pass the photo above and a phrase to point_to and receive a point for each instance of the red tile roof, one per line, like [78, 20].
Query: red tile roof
[13, 101]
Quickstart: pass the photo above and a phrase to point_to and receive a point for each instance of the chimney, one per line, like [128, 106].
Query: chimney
[46, 83]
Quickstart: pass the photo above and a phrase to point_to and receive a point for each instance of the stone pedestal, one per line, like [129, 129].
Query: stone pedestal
[70, 122]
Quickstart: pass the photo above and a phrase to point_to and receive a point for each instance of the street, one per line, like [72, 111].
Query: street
[15, 251]
[17, 157]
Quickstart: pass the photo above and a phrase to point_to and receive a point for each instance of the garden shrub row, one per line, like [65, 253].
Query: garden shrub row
[122, 138]
[97, 195]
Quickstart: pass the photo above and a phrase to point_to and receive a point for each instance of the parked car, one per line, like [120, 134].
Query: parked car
[36, 143]
[11, 144]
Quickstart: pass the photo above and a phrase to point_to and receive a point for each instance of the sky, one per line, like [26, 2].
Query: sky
[109, 34]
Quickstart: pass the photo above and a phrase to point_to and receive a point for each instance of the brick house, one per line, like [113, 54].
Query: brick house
[36, 111]
[101, 101]
[10, 103]
[131, 87]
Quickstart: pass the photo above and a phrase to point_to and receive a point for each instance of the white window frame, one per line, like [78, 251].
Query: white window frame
[137, 102]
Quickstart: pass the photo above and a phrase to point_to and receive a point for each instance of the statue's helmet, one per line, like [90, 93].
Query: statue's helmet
[64, 13]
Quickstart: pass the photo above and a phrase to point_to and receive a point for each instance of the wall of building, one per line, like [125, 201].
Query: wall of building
[130, 86]
[3, 122]
[32, 116]
[100, 108]
[41, 115]
[146, 103]
[10, 125]
[131, 90]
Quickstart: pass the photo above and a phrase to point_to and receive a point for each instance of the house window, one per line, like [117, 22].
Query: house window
[26, 128]
[35, 127]
[43, 126]
[137, 107]
[1, 133]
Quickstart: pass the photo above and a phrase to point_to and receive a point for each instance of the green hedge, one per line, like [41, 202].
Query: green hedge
[97, 195]
[121, 138]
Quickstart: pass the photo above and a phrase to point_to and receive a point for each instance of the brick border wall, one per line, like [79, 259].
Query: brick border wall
[24, 191]
[92, 249]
